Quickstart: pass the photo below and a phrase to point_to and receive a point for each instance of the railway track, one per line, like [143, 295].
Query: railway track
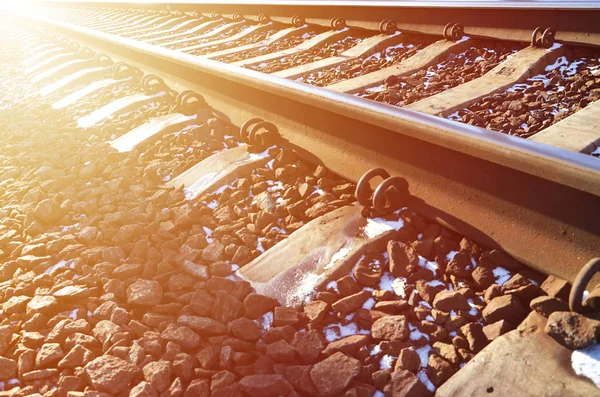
[208, 227]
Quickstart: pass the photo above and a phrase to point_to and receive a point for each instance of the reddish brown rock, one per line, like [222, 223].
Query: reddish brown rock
[406, 384]
[265, 385]
[143, 389]
[110, 374]
[546, 305]
[447, 351]
[334, 374]
[181, 335]
[281, 351]
[144, 293]
[390, 328]
[256, 305]
[409, 360]
[439, 370]
[494, 330]
[285, 316]
[505, 307]
[198, 388]
[48, 355]
[475, 336]
[348, 345]
[556, 287]
[202, 325]
[351, 303]
[450, 300]
[309, 345]
[245, 329]
[316, 310]
[573, 330]
[401, 256]
[158, 374]
[8, 368]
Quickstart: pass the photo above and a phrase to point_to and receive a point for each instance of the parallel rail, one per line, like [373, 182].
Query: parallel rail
[535, 202]
[574, 22]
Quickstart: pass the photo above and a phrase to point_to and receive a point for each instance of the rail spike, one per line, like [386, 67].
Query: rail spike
[216, 15]
[390, 195]
[337, 23]
[122, 70]
[104, 59]
[263, 18]
[581, 281]
[298, 21]
[453, 31]
[189, 102]
[388, 27]
[258, 133]
[237, 17]
[542, 38]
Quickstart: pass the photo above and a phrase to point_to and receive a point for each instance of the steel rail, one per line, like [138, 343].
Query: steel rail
[574, 22]
[538, 203]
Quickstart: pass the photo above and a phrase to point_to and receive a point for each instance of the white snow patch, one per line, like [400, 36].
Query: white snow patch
[422, 375]
[586, 363]
[334, 332]
[305, 289]
[386, 281]
[262, 155]
[266, 321]
[386, 362]
[377, 226]
[502, 275]
[332, 285]
[338, 256]
[451, 255]
[415, 335]
[59, 265]
[213, 204]
[369, 304]
[260, 247]
[399, 286]
[554, 46]
[473, 311]
[428, 265]
[423, 353]
[376, 350]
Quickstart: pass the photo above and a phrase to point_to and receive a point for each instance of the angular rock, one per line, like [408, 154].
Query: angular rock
[255, 305]
[181, 335]
[202, 325]
[556, 287]
[572, 330]
[505, 307]
[49, 354]
[265, 385]
[226, 308]
[390, 328]
[143, 389]
[404, 383]
[309, 345]
[144, 293]
[409, 360]
[348, 345]
[546, 305]
[158, 374]
[110, 374]
[334, 374]
[450, 300]
[8, 368]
